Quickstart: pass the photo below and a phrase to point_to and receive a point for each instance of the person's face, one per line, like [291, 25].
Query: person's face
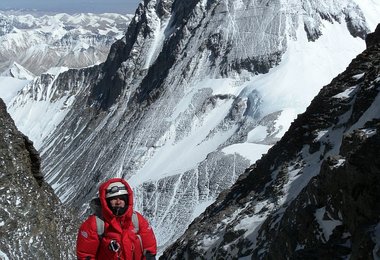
[117, 202]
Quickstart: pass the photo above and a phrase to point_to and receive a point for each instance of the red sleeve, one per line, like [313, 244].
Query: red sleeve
[147, 235]
[87, 240]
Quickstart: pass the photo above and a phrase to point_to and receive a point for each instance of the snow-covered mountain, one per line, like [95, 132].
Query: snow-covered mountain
[314, 195]
[39, 42]
[194, 93]
[19, 72]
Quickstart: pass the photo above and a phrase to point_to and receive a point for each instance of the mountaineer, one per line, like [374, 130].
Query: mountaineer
[115, 231]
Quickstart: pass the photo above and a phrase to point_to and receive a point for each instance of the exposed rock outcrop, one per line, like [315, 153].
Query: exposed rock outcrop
[337, 214]
[373, 38]
[33, 222]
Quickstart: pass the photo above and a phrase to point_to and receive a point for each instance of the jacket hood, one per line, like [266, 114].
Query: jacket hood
[106, 211]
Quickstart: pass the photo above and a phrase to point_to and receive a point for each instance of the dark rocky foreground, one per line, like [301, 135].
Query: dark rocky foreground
[33, 222]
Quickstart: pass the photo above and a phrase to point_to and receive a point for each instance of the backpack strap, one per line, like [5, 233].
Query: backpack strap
[135, 222]
[99, 226]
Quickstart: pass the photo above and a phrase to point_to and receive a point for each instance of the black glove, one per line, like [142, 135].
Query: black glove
[150, 256]
[114, 246]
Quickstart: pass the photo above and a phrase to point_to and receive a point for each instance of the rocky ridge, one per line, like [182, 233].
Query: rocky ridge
[33, 222]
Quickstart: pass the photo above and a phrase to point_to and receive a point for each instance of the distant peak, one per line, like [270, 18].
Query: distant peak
[18, 71]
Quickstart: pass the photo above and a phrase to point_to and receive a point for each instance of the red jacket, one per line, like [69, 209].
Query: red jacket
[119, 228]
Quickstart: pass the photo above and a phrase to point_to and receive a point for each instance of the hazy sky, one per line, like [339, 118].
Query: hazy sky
[73, 6]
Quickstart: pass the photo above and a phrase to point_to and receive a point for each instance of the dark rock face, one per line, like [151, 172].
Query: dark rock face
[314, 195]
[337, 213]
[33, 223]
[373, 38]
